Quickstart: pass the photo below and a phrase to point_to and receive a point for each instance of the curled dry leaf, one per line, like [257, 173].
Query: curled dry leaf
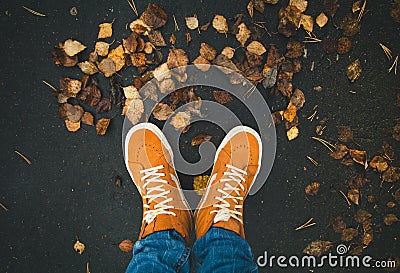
[60, 57]
[70, 112]
[200, 183]
[162, 111]
[362, 216]
[177, 57]
[70, 87]
[243, 34]
[105, 30]
[72, 47]
[154, 16]
[379, 163]
[102, 126]
[180, 120]
[312, 189]
[199, 139]
[79, 247]
[354, 196]
[117, 56]
[88, 68]
[101, 48]
[358, 156]
[349, 234]
[390, 219]
[391, 175]
[192, 22]
[292, 133]
[339, 152]
[72, 126]
[107, 67]
[354, 70]
[139, 27]
[131, 43]
[207, 52]
[229, 52]
[256, 47]
[321, 20]
[220, 24]
[391, 204]
[222, 96]
[126, 246]
[289, 20]
[88, 119]
[317, 248]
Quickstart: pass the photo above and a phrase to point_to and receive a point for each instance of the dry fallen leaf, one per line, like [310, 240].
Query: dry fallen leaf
[105, 30]
[104, 105]
[359, 156]
[295, 49]
[351, 25]
[101, 48]
[88, 68]
[349, 234]
[133, 109]
[90, 95]
[312, 189]
[180, 120]
[154, 16]
[200, 183]
[354, 196]
[343, 45]
[177, 57]
[354, 70]
[117, 56]
[207, 52]
[156, 38]
[345, 134]
[321, 20]
[131, 92]
[243, 34]
[126, 246]
[72, 47]
[79, 247]
[300, 4]
[362, 216]
[220, 24]
[138, 59]
[391, 175]
[72, 126]
[199, 139]
[88, 118]
[60, 57]
[292, 133]
[162, 111]
[201, 63]
[290, 113]
[192, 22]
[390, 219]
[317, 248]
[102, 125]
[298, 99]
[107, 67]
[307, 22]
[256, 47]
[139, 27]
[228, 52]
[338, 224]
[70, 112]
[70, 87]
[379, 163]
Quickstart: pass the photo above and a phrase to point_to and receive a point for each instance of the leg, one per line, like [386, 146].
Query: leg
[167, 218]
[220, 245]
[163, 251]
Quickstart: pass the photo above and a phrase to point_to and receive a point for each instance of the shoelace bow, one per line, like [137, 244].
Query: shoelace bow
[223, 211]
[156, 191]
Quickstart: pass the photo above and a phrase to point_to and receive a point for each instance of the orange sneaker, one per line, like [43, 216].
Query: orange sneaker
[236, 165]
[149, 160]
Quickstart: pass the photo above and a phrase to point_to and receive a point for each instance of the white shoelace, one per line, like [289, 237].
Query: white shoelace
[223, 211]
[153, 176]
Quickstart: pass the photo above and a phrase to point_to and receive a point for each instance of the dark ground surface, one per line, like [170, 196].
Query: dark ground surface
[69, 190]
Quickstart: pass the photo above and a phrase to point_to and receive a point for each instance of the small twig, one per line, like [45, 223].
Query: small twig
[261, 25]
[250, 91]
[387, 51]
[325, 143]
[306, 224]
[87, 267]
[34, 12]
[313, 161]
[49, 85]
[176, 23]
[347, 199]
[23, 157]
[394, 65]
[4, 207]
[133, 6]
[360, 15]
[311, 118]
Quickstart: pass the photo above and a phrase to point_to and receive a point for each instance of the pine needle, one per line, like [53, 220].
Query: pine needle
[176, 23]
[49, 85]
[34, 12]
[133, 6]
[394, 65]
[23, 157]
[313, 161]
[306, 224]
[87, 267]
[387, 51]
[4, 207]
[360, 15]
[325, 143]
[347, 199]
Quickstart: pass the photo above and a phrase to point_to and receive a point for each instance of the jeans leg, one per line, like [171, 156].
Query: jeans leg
[222, 250]
[163, 251]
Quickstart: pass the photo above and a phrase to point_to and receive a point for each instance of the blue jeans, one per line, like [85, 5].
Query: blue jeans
[219, 250]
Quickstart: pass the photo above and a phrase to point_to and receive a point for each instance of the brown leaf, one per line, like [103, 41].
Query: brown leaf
[317, 248]
[358, 156]
[126, 246]
[379, 163]
[390, 219]
[205, 26]
[177, 57]
[133, 109]
[354, 70]
[290, 112]
[354, 196]
[70, 87]
[295, 49]
[391, 175]
[220, 24]
[312, 189]
[298, 99]
[88, 68]
[284, 83]
[338, 224]
[307, 22]
[107, 67]
[289, 20]
[180, 120]
[105, 31]
[156, 38]
[60, 57]
[70, 112]
[339, 152]
[292, 133]
[138, 59]
[321, 20]
[349, 234]
[256, 47]
[222, 96]
[104, 105]
[243, 34]
[343, 45]
[154, 16]
[90, 95]
[395, 12]
[345, 134]
[330, 45]
[102, 125]
[72, 126]
[162, 111]
[391, 204]
[331, 6]
[72, 47]
[79, 247]
[199, 139]
[358, 182]
[117, 56]
[192, 22]
[88, 118]
[207, 52]
[101, 48]
[131, 43]
[172, 39]
[362, 215]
